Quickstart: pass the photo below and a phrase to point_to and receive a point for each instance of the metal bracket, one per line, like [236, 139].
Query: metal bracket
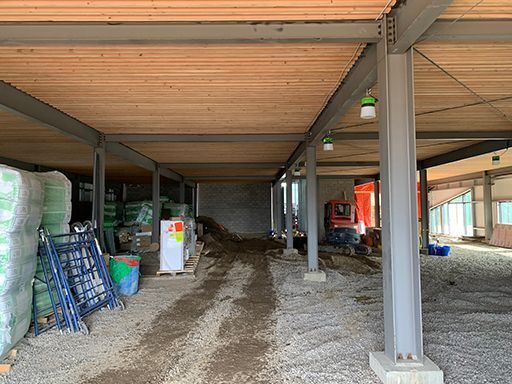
[391, 29]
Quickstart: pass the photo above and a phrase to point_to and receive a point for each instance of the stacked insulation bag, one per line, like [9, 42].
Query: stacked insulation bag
[21, 195]
[113, 214]
[138, 212]
[55, 218]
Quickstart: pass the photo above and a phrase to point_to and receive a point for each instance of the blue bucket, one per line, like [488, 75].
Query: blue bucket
[432, 249]
[124, 271]
[444, 250]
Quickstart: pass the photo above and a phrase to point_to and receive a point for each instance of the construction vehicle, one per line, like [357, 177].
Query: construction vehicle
[342, 229]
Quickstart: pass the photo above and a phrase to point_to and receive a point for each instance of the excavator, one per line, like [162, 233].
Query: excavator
[342, 228]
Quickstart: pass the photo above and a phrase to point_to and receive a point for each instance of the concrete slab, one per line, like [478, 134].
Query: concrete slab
[318, 276]
[290, 251]
[405, 371]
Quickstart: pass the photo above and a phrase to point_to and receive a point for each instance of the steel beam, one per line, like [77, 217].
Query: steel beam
[487, 186]
[407, 23]
[227, 178]
[425, 212]
[211, 138]
[188, 33]
[223, 165]
[469, 31]
[98, 195]
[312, 208]
[347, 164]
[400, 257]
[28, 107]
[167, 173]
[131, 155]
[18, 164]
[155, 234]
[431, 135]
[289, 208]
[465, 153]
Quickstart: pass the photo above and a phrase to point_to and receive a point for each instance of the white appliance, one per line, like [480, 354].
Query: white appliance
[172, 241]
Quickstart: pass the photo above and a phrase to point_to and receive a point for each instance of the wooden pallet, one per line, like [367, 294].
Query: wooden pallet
[190, 264]
[6, 367]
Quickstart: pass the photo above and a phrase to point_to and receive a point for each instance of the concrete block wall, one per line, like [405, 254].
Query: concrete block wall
[241, 208]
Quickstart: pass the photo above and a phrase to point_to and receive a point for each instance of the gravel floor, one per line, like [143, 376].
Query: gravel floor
[294, 331]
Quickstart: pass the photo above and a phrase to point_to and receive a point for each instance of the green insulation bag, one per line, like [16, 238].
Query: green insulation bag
[57, 198]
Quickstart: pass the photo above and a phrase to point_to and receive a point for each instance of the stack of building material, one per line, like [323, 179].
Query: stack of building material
[56, 217]
[21, 196]
[138, 212]
[502, 236]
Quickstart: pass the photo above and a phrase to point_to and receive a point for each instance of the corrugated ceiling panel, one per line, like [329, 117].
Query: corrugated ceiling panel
[473, 9]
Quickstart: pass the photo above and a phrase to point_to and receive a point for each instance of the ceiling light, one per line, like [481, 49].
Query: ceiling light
[368, 106]
[328, 143]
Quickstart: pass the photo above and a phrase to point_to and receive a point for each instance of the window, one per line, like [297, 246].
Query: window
[342, 210]
[454, 217]
[505, 212]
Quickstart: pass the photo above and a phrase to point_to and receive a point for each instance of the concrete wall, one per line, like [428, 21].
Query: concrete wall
[501, 191]
[241, 208]
[332, 189]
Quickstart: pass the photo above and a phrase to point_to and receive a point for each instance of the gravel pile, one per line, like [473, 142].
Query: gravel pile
[55, 358]
[325, 331]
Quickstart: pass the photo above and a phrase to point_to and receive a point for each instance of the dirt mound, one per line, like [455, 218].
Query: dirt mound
[353, 264]
[219, 241]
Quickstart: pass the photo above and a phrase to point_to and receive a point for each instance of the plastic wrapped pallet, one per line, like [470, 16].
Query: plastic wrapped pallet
[138, 212]
[56, 216]
[178, 210]
[21, 198]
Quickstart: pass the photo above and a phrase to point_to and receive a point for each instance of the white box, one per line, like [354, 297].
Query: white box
[172, 235]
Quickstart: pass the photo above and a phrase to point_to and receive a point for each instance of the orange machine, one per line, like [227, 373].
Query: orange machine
[339, 214]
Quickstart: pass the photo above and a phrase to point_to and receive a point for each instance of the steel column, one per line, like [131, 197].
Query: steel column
[400, 255]
[155, 234]
[289, 213]
[279, 209]
[98, 196]
[425, 212]
[312, 208]
[182, 192]
[488, 205]
[376, 196]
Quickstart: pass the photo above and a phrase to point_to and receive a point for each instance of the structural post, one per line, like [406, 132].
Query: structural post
[403, 360]
[279, 209]
[194, 189]
[425, 212]
[289, 211]
[376, 196]
[312, 213]
[155, 233]
[98, 196]
[488, 205]
[182, 191]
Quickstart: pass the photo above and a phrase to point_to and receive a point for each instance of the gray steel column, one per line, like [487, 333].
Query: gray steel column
[488, 205]
[182, 192]
[279, 209]
[425, 212]
[400, 254]
[289, 212]
[194, 200]
[155, 234]
[312, 208]
[98, 196]
[376, 197]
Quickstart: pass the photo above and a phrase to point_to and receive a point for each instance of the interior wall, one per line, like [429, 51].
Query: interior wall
[241, 208]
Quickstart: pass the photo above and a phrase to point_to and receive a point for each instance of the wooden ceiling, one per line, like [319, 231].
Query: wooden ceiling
[268, 88]
[192, 10]
[236, 88]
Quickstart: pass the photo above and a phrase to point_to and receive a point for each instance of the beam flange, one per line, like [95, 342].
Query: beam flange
[432, 135]
[213, 138]
[469, 30]
[210, 177]
[407, 23]
[465, 153]
[223, 165]
[28, 107]
[186, 33]
[347, 164]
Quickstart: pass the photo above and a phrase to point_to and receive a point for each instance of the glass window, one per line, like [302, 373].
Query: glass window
[342, 209]
[505, 212]
[454, 217]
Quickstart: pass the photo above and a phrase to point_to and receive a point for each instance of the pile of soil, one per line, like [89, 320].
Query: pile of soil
[218, 241]
[358, 264]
